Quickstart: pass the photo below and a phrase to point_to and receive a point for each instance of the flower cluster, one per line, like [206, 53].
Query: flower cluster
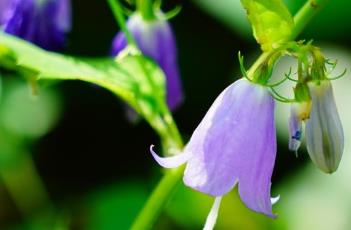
[235, 143]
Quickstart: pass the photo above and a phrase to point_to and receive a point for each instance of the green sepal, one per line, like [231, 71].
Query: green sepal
[302, 92]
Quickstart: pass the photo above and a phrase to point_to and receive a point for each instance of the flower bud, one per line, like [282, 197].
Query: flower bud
[324, 133]
[43, 23]
[155, 39]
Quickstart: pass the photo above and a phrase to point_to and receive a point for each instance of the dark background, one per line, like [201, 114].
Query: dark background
[94, 145]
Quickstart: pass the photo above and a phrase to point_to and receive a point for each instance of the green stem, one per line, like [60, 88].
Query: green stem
[118, 13]
[145, 7]
[158, 199]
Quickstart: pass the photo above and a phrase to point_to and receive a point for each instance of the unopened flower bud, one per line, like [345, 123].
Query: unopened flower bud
[324, 132]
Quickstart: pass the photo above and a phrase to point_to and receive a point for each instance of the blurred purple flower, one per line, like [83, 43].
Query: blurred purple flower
[43, 23]
[324, 132]
[156, 40]
[234, 143]
[4, 10]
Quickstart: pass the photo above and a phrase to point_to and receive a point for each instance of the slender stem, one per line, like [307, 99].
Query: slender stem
[145, 7]
[118, 13]
[305, 14]
[158, 199]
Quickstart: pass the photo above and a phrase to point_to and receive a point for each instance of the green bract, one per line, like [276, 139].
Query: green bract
[271, 21]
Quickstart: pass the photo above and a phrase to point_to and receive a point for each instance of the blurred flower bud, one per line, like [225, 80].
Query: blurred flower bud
[156, 40]
[43, 23]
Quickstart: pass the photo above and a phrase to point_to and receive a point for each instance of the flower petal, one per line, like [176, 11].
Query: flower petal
[171, 162]
[275, 200]
[39, 23]
[235, 142]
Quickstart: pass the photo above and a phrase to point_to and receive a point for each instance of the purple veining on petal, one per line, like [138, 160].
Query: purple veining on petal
[236, 142]
[155, 40]
[43, 24]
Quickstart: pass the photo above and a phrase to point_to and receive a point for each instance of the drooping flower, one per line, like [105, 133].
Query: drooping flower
[235, 143]
[156, 40]
[42, 22]
[324, 132]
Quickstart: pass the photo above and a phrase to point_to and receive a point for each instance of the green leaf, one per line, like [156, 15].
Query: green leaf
[134, 78]
[271, 21]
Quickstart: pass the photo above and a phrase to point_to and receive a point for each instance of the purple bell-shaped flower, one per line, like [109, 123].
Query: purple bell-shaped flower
[235, 143]
[42, 22]
[156, 40]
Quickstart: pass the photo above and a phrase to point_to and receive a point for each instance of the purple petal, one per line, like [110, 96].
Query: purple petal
[43, 24]
[64, 15]
[236, 142]
[5, 10]
[171, 162]
[155, 40]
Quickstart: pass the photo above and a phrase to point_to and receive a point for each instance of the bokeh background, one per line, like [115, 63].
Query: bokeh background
[94, 171]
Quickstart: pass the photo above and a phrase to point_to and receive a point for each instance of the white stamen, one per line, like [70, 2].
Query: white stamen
[212, 216]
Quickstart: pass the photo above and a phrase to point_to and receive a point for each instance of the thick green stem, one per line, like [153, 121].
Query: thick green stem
[158, 199]
[145, 7]
[168, 183]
